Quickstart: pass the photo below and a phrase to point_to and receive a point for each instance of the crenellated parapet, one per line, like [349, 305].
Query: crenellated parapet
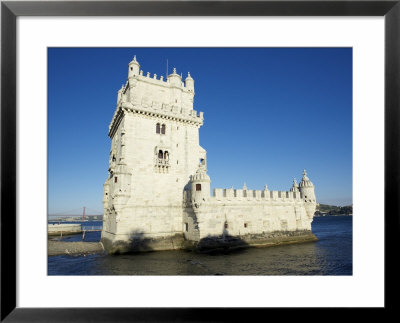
[156, 97]
[170, 81]
[240, 195]
[302, 193]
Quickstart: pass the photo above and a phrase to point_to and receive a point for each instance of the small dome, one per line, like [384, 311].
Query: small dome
[201, 175]
[174, 79]
[134, 61]
[189, 83]
[305, 181]
[174, 73]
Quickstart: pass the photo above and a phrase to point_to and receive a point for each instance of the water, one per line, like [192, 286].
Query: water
[330, 255]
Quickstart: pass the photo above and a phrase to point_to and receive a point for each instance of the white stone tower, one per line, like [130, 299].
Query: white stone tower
[200, 186]
[157, 193]
[154, 151]
[134, 68]
[308, 195]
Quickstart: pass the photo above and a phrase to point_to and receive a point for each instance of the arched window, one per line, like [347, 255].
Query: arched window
[160, 154]
[198, 187]
[163, 129]
[166, 155]
[158, 128]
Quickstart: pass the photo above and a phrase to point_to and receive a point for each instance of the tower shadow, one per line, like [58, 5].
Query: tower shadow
[221, 244]
[136, 243]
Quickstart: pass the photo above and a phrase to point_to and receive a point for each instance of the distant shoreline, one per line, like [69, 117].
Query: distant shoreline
[332, 210]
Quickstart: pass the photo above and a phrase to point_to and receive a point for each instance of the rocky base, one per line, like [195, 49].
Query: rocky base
[177, 242]
[143, 244]
[254, 240]
[56, 248]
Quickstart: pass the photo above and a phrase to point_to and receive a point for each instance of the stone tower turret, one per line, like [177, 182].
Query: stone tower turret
[295, 187]
[200, 185]
[134, 67]
[306, 188]
[189, 83]
[174, 79]
[120, 184]
[120, 92]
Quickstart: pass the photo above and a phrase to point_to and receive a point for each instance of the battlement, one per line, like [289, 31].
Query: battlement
[153, 96]
[231, 194]
[160, 81]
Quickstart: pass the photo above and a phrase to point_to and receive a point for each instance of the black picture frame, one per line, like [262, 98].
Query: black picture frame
[10, 10]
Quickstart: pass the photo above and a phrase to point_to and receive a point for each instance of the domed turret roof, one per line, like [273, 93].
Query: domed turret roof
[305, 181]
[174, 73]
[188, 77]
[201, 174]
[134, 61]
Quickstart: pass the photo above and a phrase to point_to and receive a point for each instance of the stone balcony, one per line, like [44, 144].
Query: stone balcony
[153, 109]
[161, 162]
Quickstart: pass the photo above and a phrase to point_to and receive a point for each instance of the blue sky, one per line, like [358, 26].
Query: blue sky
[269, 113]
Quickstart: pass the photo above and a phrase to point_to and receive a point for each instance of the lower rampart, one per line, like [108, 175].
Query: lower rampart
[209, 243]
[115, 244]
[214, 223]
[254, 240]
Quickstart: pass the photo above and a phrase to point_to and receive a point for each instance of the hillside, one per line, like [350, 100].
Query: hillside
[324, 209]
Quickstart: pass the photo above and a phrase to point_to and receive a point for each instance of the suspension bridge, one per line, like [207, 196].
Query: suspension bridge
[83, 215]
[80, 214]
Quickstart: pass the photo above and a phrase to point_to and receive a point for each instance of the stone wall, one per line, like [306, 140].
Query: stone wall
[239, 218]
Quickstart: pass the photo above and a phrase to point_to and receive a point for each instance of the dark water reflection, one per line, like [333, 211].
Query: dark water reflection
[330, 255]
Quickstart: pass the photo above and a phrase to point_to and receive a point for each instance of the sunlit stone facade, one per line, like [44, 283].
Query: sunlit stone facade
[157, 193]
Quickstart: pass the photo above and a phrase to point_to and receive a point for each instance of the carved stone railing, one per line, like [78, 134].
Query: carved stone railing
[162, 162]
[164, 111]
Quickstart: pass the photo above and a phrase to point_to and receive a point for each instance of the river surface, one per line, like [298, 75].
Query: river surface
[332, 254]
